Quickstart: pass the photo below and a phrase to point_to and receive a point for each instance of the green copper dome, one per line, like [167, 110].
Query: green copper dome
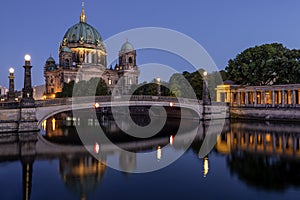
[82, 33]
[127, 47]
[50, 59]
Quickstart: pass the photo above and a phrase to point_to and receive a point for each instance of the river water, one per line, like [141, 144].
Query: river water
[248, 160]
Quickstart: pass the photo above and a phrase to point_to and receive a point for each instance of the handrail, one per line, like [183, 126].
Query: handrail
[89, 99]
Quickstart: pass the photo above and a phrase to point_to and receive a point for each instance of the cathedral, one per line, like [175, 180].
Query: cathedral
[82, 56]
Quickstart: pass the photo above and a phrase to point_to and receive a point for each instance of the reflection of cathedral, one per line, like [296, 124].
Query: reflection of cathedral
[81, 174]
[82, 50]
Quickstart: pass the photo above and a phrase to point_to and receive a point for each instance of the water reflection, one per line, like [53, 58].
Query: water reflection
[81, 174]
[264, 155]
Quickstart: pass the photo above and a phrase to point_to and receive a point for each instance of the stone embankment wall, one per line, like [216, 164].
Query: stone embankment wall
[289, 114]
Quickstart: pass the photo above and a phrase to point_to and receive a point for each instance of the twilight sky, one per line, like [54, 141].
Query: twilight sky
[223, 28]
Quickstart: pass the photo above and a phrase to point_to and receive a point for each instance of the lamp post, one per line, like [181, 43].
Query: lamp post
[205, 94]
[158, 86]
[27, 97]
[11, 90]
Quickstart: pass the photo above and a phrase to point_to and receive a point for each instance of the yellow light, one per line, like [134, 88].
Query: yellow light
[27, 57]
[11, 70]
[44, 97]
[158, 79]
[171, 104]
[53, 96]
[268, 137]
[158, 153]
[53, 124]
[44, 124]
[205, 166]
[205, 73]
[96, 105]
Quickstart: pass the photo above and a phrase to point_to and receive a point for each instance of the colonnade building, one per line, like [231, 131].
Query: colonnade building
[259, 96]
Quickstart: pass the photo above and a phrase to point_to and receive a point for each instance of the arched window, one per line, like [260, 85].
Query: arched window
[67, 63]
[130, 60]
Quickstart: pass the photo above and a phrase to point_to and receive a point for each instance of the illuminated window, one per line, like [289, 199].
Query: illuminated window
[109, 82]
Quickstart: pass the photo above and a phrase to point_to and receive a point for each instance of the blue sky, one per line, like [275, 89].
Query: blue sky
[223, 28]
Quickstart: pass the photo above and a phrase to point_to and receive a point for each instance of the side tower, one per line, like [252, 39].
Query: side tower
[127, 68]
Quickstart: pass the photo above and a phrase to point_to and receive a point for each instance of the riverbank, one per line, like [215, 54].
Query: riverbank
[266, 113]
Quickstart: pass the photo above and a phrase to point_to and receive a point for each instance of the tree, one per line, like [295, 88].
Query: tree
[150, 88]
[95, 86]
[265, 65]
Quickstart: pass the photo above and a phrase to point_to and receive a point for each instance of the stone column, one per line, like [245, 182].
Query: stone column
[263, 97]
[282, 98]
[255, 98]
[239, 99]
[218, 96]
[246, 98]
[293, 98]
[273, 98]
[231, 98]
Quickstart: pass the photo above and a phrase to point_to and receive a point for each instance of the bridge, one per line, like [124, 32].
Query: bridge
[47, 108]
[14, 118]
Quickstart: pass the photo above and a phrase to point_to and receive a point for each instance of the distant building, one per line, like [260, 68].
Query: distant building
[259, 96]
[3, 92]
[38, 92]
[82, 49]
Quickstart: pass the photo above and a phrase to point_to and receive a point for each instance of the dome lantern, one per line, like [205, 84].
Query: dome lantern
[82, 16]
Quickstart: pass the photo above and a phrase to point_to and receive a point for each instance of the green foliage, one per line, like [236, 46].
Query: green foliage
[95, 86]
[265, 65]
[150, 89]
[185, 84]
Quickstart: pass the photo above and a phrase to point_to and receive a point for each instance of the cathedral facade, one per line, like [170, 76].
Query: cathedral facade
[82, 56]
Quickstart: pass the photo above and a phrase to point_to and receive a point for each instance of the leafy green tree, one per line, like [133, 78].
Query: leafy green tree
[150, 88]
[67, 90]
[265, 65]
[95, 86]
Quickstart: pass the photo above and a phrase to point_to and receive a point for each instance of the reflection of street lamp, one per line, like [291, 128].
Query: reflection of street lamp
[158, 86]
[205, 166]
[11, 90]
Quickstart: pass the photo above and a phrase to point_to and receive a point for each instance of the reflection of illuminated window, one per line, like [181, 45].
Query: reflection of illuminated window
[158, 153]
[53, 124]
[90, 122]
[44, 125]
[96, 122]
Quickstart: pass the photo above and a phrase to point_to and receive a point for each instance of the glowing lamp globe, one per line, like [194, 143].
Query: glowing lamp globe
[11, 70]
[27, 57]
[205, 73]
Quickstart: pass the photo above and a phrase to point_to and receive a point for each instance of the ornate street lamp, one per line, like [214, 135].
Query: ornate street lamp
[205, 94]
[27, 97]
[158, 86]
[11, 90]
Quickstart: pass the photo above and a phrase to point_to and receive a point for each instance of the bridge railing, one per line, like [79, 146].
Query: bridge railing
[9, 105]
[82, 100]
